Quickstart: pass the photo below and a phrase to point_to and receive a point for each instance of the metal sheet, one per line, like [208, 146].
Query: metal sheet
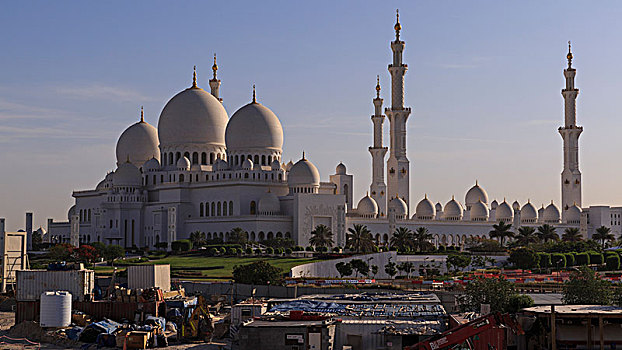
[149, 276]
[32, 283]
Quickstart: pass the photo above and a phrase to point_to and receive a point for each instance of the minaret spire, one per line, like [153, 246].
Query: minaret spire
[214, 83]
[142, 115]
[194, 78]
[570, 132]
[398, 165]
[378, 187]
[255, 98]
[398, 25]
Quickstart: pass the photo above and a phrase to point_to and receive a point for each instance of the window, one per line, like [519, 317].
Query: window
[211, 158]
[170, 158]
[177, 156]
[213, 212]
[269, 160]
[204, 158]
[195, 158]
[218, 209]
[154, 179]
[187, 155]
[256, 160]
[263, 160]
[201, 210]
[253, 207]
[236, 160]
[110, 224]
[181, 177]
[231, 208]
[161, 178]
[224, 209]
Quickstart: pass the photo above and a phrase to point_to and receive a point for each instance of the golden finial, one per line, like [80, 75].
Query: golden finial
[452, 197]
[142, 115]
[194, 77]
[569, 55]
[303, 155]
[254, 96]
[398, 26]
[378, 86]
[215, 66]
[367, 195]
[425, 196]
[551, 201]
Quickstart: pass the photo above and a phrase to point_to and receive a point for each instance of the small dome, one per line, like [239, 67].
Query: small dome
[551, 213]
[399, 207]
[573, 214]
[341, 169]
[515, 205]
[367, 207]
[152, 164]
[269, 204]
[303, 173]
[71, 212]
[192, 116]
[247, 164]
[479, 211]
[528, 213]
[452, 210]
[127, 174]
[254, 126]
[289, 165]
[222, 165]
[138, 143]
[438, 207]
[425, 209]
[494, 204]
[541, 212]
[504, 212]
[475, 194]
[276, 165]
[183, 163]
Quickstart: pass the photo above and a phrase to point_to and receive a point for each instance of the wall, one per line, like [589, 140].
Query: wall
[327, 268]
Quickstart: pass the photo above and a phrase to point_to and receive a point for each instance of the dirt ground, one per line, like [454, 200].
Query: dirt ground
[7, 320]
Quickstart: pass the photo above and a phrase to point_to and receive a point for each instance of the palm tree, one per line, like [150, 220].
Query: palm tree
[603, 234]
[571, 234]
[237, 236]
[501, 231]
[197, 238]
[359, 239]
[547, 232]
[322, 236]
[526, 235]
[402, 238]
[421, 239]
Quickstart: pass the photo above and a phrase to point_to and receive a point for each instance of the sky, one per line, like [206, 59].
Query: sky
[483, 82]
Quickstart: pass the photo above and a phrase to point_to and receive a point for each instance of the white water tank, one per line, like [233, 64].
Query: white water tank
[55, 310]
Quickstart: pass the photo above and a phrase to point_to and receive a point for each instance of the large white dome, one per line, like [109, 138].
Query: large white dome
[425, 209]
[127, 174]
[452, 210]
[504, 212]
[269, 204]
[475, 194]
[573, 214]
[193, 116]
[551, 213]
[479, 211]
[303, 173]
[367, 207]
[138, 143]
[528, 213]
[399, 207]
[254, 126]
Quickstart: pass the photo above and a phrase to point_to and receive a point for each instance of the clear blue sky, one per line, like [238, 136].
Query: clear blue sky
[484, 84]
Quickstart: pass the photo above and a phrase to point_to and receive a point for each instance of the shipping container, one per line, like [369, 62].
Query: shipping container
[32, 283]
[149, 276]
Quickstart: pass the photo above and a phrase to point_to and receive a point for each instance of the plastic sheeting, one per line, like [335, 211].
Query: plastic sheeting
[310, 306]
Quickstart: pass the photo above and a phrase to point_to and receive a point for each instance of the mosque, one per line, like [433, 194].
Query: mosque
[200, 170]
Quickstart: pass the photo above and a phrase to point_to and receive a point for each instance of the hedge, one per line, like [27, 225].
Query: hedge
[545, 260]
[570, 260]
[249, 251]
[582, 259]
[288, 251]
[270, 250]
[309, 248]
[558, 260]
[182, 245]
[596, 258]
[613, 262]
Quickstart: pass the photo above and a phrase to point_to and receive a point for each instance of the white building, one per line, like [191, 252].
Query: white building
[203, 171]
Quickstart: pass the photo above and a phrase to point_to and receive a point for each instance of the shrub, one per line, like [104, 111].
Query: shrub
[582, 259]
[596, 258]
[321, 249]
[336, 249]
[518, 302]
[183, 245]
[309, 248]
[570, 261]
[544, 260]
[613, 262]
[258, 251]
[269, 250]
[259, 272]
[288, 251]
[442, 249]
[232, 251]
[212, 251]
[249, 251]
[558, 260]
[524, 258]
[298, 248]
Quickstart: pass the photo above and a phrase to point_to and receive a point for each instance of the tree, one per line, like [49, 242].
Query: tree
[501, 231]
[518, 302]
[359, 239]
[390, 268]
[406, 267]
[86, 253]
[61, 252]
[524, 258]
[547, 232]
[585, 287]
[344, 269]
[360, 266]
[161, 245]
[258, 272]
[374, 270]
[237, 236]
[494, 291]
[613, 262]
[422, 240]
[197, 238]
[603, 234]
[402, 238]
[321, 236]
[526, 235]
[113, 252]
[100, 247]
[572, 234]
[36, 239]
[182, 245]
[458, 261]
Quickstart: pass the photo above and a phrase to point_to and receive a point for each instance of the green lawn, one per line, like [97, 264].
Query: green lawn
[227, 264]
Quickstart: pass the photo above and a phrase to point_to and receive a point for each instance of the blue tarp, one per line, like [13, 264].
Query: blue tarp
[105, 326]
[309, 306]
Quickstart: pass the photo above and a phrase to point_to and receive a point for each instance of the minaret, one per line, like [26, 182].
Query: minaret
[214, 83]
[378, 188]
[398, 164]
[571, 176]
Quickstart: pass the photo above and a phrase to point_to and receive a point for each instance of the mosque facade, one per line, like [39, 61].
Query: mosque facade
[200, 170]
